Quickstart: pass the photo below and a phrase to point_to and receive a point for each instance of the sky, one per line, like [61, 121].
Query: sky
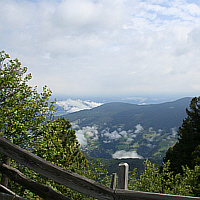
[106, 48]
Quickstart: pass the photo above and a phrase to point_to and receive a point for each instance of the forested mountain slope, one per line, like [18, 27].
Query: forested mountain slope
[121, 130]
[158, 116]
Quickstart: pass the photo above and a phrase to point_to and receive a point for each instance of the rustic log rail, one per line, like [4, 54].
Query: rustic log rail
[6, 194]
[43, 191]
[75, 181]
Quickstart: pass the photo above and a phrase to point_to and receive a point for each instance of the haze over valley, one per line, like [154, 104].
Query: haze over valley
[124, 130]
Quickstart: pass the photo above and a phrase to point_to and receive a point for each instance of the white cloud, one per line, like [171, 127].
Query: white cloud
[81, 138]
[86, 132]
[91, 131]
[133, 135]
[160, 131]
[150, 129]
[140, 99]
[76, 105]
[87, 15]
[151, 139]
[75, 126]
[149, 145]
[106, 47]
[113, 135]
[126, 154]
[139, 128]
[174, 131]
[106, 141]
[123, 133]
[117, 134]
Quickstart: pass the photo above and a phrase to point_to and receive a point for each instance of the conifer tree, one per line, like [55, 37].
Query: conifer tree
[189, 139]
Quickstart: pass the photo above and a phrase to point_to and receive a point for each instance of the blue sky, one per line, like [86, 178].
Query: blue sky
[113, 48]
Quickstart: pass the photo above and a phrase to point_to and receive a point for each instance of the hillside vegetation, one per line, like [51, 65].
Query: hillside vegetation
[159, 116]
[116, 128]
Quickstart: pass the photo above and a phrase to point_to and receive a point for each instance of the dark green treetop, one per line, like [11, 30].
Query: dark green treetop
[189, 139]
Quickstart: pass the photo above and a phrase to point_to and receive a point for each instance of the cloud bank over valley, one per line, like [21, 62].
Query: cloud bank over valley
[126, 154]
[91, 137]
[71, 106]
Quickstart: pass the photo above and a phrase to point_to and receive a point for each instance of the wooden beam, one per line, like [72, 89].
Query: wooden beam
[78, 182]
[5, 190]
[123, 176]
[113, 181]
[55, 173]
[43, 191]
[136, 195]
[4, 196]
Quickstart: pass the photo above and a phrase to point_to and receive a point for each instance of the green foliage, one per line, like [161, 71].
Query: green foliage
[149, 143]
[157, 180]
[27, 119]
[23, 109]
[196, 156]
[57, 143]
[189, 139]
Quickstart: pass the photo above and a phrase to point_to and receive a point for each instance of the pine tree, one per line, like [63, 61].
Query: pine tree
[189, 139]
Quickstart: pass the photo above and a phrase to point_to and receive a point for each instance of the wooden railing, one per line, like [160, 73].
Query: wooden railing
[70, 179]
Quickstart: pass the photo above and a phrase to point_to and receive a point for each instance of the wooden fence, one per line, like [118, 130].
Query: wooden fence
[70, 179]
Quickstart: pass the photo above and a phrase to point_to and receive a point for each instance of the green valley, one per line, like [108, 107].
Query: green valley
[123, 130]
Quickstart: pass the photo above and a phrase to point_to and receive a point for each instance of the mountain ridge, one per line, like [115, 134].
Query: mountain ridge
[122, 130]
[125, 113]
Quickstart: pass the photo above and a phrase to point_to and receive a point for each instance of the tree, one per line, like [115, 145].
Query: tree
[27, 119]
[22, 108]
[56, 142]
[196, 156]
[154, 179]
[189, 139]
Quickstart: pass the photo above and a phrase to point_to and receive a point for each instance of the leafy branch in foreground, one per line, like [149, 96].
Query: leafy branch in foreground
[23, 109]
[27, 119]
[162, 180]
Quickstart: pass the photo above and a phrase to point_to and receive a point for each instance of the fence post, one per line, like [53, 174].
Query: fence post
[113, 181]
[123, 176]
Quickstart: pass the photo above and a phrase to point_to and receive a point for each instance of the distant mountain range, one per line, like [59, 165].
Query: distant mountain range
[129, 130]
[158, 116]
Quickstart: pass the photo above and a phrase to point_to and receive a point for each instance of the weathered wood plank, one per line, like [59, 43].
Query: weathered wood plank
[5, 190]
[55, 173]
[113, 181]
[4, 179]
[43, 191]
[123, 176]
[4, 196]
[75, 181]
[136, 195]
